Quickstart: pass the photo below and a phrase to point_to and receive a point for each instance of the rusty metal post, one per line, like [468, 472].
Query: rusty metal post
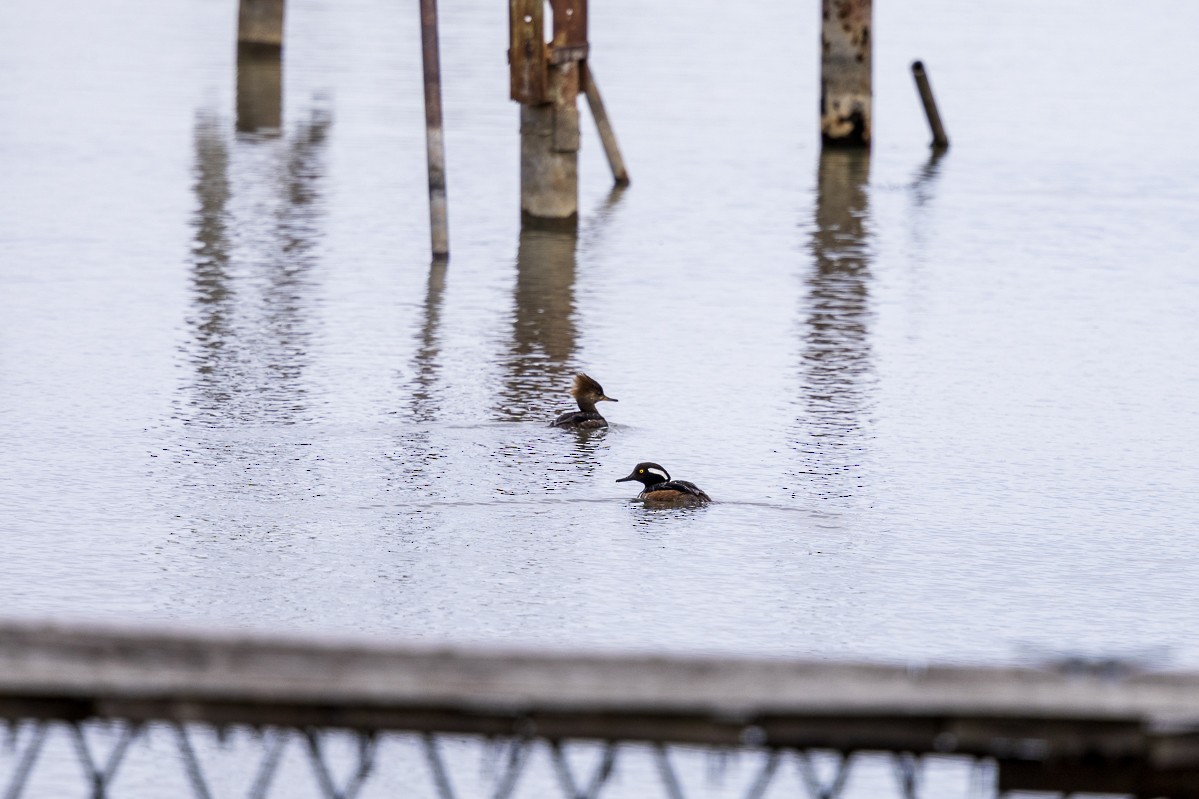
[845, 60]
[940, 140]
[434, 136]
[607, 136]
[545, 80]
[260, 23]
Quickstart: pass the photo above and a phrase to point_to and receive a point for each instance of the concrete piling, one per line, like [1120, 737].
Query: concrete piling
[545, 80]
[260, 66]
[434, 137]
[940, 139]
[845, 65]
[260, 23]
[549, 153]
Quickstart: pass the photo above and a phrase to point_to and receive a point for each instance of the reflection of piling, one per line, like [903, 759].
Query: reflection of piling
[260, 23]
[259, 90]
[434, 138]
[544, 335]
[247, 339]
[940, 140]
[427, 360]
[837, 364]
[845, 88]
[608, 136]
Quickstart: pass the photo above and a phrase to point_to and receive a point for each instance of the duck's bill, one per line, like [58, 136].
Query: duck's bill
[627, 479]
[610, 399]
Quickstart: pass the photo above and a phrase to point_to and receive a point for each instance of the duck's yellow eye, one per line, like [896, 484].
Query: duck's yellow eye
[641, 471]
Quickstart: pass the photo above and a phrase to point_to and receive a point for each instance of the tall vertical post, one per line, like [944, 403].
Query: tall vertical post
[260, 66]
[545, 80]
[260, 23]
[434, 136]
[845, 58]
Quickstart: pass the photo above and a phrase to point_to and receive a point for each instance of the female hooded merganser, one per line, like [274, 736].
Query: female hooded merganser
[586, 392]
[659, 488]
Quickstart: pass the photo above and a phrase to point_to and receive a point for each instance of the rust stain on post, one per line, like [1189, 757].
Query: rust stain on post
[570, 31]
[434, 135]
[527, 57]
[845, 65]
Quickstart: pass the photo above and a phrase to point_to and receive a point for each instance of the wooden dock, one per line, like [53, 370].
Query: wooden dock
[1074, 728]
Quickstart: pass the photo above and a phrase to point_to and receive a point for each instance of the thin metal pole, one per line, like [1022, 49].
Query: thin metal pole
[607, 135]
[940, 140]
[434, 137]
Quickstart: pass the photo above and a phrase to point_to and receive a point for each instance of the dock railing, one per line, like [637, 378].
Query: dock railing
[1073, 728]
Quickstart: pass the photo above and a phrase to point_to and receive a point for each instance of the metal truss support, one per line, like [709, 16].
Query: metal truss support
[812, 781]
[366, 761]
[566, 778]
[191, 763]
[579, 769]
[25, 760]
[670, 780]
[100, 778]
[908, 768]
[757, 788]
[517, 755]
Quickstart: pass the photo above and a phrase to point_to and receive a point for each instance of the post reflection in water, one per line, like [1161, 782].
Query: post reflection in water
[541, 354]
[251, 319]
[425, 362]
[836, 367]
[416, 449]
[926, 179]
[542, 360]
[259, 91]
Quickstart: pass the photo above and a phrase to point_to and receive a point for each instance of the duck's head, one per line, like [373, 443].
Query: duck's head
[588, 392]
[647, 473]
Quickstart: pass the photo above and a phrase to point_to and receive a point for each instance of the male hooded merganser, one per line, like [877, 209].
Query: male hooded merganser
[659, 488]
[586, 392]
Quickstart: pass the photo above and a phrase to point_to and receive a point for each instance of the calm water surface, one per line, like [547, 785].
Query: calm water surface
[947, 407]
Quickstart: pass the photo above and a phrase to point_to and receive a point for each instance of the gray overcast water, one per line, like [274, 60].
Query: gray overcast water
[947, 408]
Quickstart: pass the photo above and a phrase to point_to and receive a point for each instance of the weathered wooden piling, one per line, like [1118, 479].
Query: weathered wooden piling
[940, 139]
[845, 63]
[260, 23]
[434, 136]
[545, 81]
[607, 136]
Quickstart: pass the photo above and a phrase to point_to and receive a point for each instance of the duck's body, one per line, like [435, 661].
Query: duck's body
[661, 490]
[586, 392]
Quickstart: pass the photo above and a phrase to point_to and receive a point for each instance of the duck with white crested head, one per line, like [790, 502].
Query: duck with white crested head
[661, 490]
